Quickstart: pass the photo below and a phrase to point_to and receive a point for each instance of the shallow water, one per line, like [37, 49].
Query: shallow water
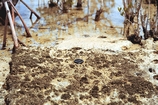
[55, 26]
[112, 14]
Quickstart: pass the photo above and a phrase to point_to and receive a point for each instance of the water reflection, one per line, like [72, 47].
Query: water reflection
[56, 26]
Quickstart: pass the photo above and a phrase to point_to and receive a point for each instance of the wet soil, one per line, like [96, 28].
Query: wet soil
[50, 76]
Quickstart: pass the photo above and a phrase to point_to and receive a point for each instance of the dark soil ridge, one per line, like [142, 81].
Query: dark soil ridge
[35, 76]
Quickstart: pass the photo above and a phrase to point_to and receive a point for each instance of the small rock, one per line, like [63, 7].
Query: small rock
[65, 96]
[124, 47]
[135, 39]
[155, 61]
[72, 66]
[76, 48]
[78, 61]
[84, 80]
[155, 77]
[139, 74]
[94, 92]
[86, 36]
[151, 70]
[102, 37]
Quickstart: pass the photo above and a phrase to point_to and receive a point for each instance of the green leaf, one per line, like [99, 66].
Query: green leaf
[122, 13]
[119, 9]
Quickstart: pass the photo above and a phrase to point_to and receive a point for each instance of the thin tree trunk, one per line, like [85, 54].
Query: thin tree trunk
[13, 15]
[31, 10]
[64, 6]
[156, 17]
[79, 3]
[5, 32]
[26, 29]
[98, 13]
[16, 44]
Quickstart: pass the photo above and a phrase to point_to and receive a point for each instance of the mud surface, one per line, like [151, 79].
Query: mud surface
[49, 76]
[113, 71]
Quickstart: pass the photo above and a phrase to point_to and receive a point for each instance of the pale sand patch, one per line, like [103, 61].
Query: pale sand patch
[115, 44]
[5, 58]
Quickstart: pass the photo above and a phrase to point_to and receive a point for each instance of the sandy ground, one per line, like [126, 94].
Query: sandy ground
[143, 57]
[5, 58]
[91, 38]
